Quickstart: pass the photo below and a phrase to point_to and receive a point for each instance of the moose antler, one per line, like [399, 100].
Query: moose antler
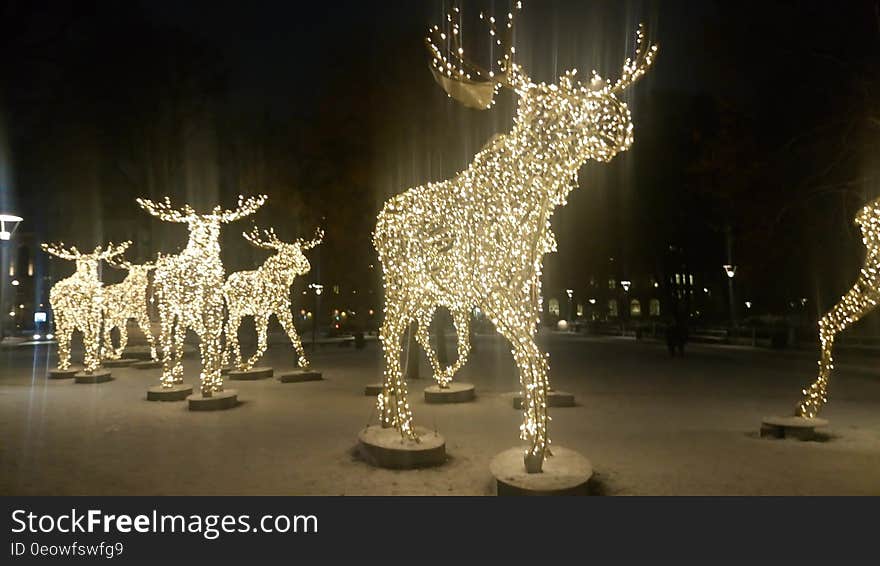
[461, 78]
[635, 67]
[58, 250]
[271, 243]
[245, 207]
[319, 237]
[111, 251]
[165, 211]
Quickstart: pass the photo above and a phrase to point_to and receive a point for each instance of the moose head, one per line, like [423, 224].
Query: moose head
[86, 263]
[289, 257]
[583, 121]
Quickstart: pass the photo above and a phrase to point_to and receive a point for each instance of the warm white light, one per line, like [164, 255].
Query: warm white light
[730, 270]
[15, 283]
[748, 304]
[126, 301]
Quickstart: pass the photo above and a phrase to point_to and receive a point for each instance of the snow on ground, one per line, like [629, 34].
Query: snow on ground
[651, 425]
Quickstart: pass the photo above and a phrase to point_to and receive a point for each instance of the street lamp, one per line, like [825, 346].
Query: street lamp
[730, 270]
[626, 284]
[8, 224]
[570, 293]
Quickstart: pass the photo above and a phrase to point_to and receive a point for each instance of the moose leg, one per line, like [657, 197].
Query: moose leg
[262, 324]
[233, 348]
[286, 320]
[92, 341]
[461, 319]
[123, 338]
[143, 322]
[108, 339]
[166, 338]
[65, 334]
[393, 405]
[518, 327]
[211, 347]
[856, 303]
[178, 335]
[423, 336]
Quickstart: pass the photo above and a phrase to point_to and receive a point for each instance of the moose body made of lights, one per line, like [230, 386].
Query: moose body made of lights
[861, 299]
[478, 240]
[77, 302]
[265, 291]
[189, 289]
[124, 301]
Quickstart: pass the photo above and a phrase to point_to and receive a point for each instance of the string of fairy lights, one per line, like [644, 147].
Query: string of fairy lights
[478, 240]
[124, 301]
[856, 303]
[77, 302]
[265, 291]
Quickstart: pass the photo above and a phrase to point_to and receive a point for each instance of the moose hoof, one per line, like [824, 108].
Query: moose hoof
[177, 392]
[63, 373]
[252, 374]
[98, 376]
[300, 375]
[791, 427]
[554, 399]
[219, 401]
[373, 389]
[455, 393]
[564, 473]
[385, 448]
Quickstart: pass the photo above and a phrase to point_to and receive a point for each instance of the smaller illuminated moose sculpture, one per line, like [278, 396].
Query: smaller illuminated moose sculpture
[77, 302]
[124, 301]
[856, 303]
[266, 291]
[189, 289]
[479, 238]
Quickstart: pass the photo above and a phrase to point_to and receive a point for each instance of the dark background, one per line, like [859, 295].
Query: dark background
[756, 134]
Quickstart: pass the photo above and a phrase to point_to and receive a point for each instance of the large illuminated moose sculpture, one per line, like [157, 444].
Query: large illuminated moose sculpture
[478, 239]
[77, 302]
[265, 291]
[127, 300]
[189, 289]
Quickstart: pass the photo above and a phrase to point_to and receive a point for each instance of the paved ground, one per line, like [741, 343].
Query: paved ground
[650, 425]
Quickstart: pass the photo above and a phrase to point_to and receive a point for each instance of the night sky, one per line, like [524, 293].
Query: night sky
[754, 127]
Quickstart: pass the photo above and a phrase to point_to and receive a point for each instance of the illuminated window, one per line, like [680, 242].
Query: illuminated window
[691, 278]
[654, 307]
[554, 306]
[612, 284]
[635, 308]
[336, 289]
[677, 279]
[580, 309]
[30, 269]
[612, 308]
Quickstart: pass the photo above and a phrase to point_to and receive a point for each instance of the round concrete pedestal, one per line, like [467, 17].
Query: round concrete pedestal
[564, 473]
[554, 399]
[219, 401]
[121, 362]
[63, 373]
[138, 352]
[300, 375]
[174, 393]
[147, 364]
[384, 448]
[373, 389]
[455, 393]
[791, 427]
[252, 374]
[97, 376]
